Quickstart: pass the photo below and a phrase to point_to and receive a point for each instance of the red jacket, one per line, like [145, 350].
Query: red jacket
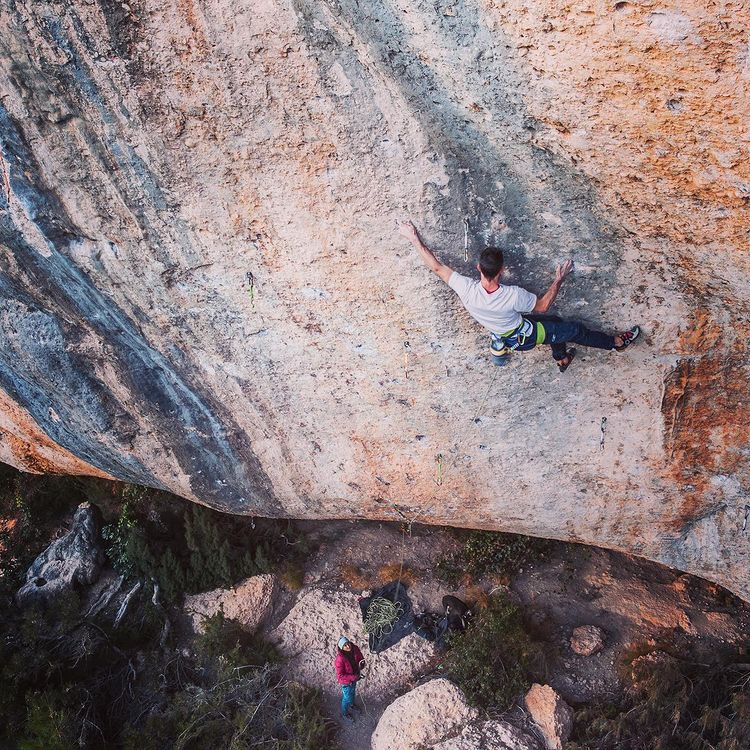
[344, 672]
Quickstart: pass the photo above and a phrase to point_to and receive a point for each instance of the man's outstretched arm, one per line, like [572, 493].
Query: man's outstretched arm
[409, 231]
[544, 303]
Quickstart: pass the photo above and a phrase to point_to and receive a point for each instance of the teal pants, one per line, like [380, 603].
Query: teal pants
[347, 697]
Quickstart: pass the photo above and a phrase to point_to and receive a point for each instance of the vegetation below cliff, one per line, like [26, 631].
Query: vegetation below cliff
[74, 678]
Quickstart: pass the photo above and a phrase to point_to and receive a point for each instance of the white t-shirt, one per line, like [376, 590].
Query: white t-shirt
[499, 311]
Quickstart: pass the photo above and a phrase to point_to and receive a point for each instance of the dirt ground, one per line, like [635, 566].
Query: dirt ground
[638, 604]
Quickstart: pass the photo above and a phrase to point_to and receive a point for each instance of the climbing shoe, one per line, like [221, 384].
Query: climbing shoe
[570, 356]
[628, 337]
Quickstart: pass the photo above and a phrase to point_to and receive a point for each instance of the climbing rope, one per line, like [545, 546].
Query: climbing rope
[382, 615]
[464, 435]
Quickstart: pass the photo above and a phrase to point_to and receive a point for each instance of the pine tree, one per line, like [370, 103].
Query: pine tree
[140, 559]
[221, 567]
[198, 578]
[171, 576]
[262, 563]
[246, 565]
[211, 557]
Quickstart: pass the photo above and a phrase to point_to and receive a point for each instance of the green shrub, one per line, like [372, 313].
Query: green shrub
[293, 577]
[120, 538]
[239, 710]
[49, 723]
[37, 654]
[493, 660]
[185, 547]
[670, 705]
[489, 552]
[224, 639]
[304, 717]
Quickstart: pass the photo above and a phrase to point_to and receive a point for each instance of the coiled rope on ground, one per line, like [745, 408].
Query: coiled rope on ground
[382, 615]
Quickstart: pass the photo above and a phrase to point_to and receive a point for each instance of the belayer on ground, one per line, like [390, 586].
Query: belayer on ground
[387, 626]
[349, 665]
[516, 318]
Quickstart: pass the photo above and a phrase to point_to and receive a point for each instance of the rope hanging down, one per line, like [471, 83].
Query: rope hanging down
[464, 435]
[382, 615]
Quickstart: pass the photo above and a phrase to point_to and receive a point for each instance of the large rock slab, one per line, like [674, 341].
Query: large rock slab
[202, 289]
[308, 636]
[423, 717]
[70, 562]
[249, 602]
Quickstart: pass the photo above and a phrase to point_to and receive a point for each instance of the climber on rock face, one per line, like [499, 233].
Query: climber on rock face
[514, 317]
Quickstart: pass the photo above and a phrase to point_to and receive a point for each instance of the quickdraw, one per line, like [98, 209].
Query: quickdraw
[520, 335]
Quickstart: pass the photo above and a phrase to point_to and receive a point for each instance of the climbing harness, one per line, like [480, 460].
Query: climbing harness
[382, 615]
[516, 339]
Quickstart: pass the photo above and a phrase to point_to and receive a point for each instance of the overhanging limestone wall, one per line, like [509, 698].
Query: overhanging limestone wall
[155, 154]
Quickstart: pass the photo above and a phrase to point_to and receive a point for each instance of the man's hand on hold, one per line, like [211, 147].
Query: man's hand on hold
[564, 270]
[544, 303]
[408, 230]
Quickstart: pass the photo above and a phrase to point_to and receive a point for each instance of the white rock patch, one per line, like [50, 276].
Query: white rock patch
[249, 602]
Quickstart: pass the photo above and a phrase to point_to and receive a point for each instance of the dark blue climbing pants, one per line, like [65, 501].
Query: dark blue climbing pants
[558, 333]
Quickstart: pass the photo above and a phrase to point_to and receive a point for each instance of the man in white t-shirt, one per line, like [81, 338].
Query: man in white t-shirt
[507, 312]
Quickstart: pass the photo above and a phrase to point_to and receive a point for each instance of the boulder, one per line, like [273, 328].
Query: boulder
[73, 560]
[489, 735]
[249, 602]
[423, 717]
[587, 640]
[551, 714]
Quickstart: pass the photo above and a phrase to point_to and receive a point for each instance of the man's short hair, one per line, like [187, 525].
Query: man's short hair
[491, 262]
